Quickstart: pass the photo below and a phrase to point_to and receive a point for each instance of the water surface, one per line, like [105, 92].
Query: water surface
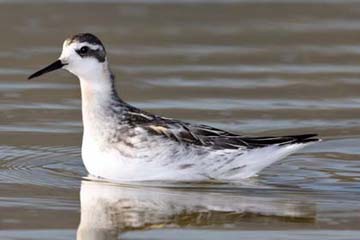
[252, 67]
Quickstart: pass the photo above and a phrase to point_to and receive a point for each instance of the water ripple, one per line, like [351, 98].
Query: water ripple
[276, 68]
[38, 165]
[253, 104]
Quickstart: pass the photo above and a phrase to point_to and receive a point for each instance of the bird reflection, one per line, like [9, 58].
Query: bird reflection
[108, 210]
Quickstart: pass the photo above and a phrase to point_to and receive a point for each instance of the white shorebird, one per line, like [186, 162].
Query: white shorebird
[124, 143]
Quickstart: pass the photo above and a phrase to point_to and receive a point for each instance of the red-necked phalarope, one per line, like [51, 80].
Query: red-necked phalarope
[124, 143]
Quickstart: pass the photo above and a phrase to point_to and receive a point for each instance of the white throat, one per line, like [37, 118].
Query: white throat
[96, 84]
[97, 91]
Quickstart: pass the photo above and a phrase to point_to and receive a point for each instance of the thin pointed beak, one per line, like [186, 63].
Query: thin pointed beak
[52, 67]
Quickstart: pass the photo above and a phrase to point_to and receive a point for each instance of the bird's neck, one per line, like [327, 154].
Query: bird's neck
[100, 101]
[97, 89]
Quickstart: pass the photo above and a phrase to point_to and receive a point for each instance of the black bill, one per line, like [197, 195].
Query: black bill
[52, 67]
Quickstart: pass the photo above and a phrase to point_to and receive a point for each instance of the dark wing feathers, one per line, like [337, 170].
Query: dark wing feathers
[207, 136]
[264, 141]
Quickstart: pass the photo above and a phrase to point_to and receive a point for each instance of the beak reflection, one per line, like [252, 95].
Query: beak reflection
[52, 67]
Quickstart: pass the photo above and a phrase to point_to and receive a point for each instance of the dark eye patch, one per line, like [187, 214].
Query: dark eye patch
[86, 51]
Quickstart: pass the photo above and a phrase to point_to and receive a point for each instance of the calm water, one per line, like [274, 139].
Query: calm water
[257, 67]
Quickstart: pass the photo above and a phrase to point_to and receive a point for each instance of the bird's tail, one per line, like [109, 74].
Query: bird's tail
[255, 160]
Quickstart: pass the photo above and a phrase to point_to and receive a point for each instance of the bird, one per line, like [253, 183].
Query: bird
[124, 143]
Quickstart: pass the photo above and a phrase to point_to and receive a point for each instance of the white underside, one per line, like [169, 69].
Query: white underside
[160, 162]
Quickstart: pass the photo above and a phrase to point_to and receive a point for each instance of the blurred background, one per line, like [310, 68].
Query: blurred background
[251, 67]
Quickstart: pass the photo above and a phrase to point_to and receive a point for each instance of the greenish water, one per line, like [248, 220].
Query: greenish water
[254, 67]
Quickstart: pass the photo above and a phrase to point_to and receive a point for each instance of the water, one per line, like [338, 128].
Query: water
[254, 67]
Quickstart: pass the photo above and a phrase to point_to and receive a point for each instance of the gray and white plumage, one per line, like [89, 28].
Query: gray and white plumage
[124, 143]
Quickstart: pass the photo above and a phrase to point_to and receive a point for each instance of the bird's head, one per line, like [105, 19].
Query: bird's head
[83, 55]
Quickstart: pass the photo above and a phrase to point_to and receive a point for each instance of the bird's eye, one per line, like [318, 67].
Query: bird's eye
[84, 49]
